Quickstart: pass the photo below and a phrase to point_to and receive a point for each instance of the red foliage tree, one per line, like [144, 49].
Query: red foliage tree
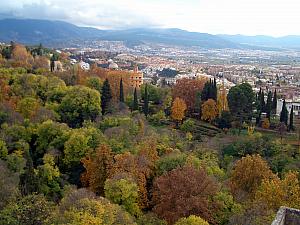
[187, 89]
[183, 192]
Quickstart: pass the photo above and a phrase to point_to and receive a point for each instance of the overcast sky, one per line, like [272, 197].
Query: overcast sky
[250, 17]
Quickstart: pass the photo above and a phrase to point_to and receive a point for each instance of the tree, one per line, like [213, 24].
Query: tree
[291, 125]
[224, 122]
[27, 106]
[268, 106]
[209, 110]
[79, 104]
[240, 100]
[247, 175]
[31, 210]
[81, 207]
[135, 100]
[124, 192]
[121, 91]
[178, 109]
[280, 192]
[262, 102]
[146, 101]
[183, 192]
[192, 220]
[284, 114]
[106, 96]
[48, 175]
[274, 103]
[97, 167]
[9, 182]
[187, 90]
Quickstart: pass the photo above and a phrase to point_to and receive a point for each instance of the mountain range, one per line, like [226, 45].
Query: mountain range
[50, 33]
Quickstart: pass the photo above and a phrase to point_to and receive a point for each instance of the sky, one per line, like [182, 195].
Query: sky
[248, 17]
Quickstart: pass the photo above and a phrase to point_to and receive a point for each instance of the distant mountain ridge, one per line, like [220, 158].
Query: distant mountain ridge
[31, 31]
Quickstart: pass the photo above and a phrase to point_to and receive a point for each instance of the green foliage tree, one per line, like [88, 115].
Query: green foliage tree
[31, 210]
[106, 96]
[191, 220]
[79, 104]
[240, 100]
[123, 192]
[48, 175]
[284, 114]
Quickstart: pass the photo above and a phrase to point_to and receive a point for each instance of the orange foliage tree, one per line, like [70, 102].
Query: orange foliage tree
[183, 192]
[187, 90]
[97, 167]
[140, 167]
[21, 57]
[209, 110]
[247, 175]
[178, 109]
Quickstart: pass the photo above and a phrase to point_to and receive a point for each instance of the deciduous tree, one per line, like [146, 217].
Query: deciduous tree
[209, 110]
[178, 109]
[183, 192]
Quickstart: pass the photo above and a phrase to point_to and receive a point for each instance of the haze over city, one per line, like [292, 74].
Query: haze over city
[248, 17]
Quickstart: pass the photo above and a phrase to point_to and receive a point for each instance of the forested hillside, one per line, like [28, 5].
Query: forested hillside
[85, 147]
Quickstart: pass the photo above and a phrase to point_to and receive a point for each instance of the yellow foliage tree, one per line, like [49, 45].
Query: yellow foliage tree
[178, 109]
[222, 103]
[192, 220]
[248, 174]
[209, 110]
[280, 192]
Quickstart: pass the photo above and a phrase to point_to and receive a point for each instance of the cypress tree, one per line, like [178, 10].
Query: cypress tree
[291, 125]
[146, 101]
[121, 91]
[274, 103]
[269, 105]
[262, 102]
[135, 105]
[28, 180]
[214, 90]
[52, 64]
[284, 113]
[106, 96]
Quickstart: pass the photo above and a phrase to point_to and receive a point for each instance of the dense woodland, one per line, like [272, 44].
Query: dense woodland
[84, 147]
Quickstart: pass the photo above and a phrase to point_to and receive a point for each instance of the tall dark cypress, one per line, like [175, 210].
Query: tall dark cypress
[284, 114]
[205, 92]
[262, 102]
[146, 101]
[214, 90]
[274, 103]
[121, 91]
[291, 125]
[28, 180]
[52, 63]
[135, 105]
[269, 105]
[106, 96]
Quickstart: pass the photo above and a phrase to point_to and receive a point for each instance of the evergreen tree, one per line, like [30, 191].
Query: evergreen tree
[269, 105]
[28, 181]
[274, 103]
[291, 125]
[205, 92]
[121, 91]
[52, 63]
[262, 102]
[146, 101]
[214, 90]
[106, 96]
[135, 105]
[284, 113]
